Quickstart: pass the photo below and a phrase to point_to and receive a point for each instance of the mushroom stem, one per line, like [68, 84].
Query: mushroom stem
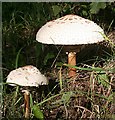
[72, 61]
[26, 103]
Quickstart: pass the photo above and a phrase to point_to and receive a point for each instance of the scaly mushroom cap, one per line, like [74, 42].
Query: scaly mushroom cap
[26, 76]
[70, 30]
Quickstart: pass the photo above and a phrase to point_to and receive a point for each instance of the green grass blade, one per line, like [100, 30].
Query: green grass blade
[17, 58]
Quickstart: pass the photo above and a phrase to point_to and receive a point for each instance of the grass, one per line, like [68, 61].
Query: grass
[97, 96]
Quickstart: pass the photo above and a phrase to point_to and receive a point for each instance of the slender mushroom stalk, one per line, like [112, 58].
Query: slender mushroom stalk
[72, 61]
[26, 103]
[73, 50]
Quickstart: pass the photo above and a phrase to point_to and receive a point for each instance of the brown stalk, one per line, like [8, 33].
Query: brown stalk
[26, 103]
[72, 61]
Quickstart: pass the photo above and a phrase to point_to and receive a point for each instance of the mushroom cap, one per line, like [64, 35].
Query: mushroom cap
[70, 30]
[26, 76]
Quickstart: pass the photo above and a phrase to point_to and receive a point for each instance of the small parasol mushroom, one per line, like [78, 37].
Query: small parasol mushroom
[26, 76]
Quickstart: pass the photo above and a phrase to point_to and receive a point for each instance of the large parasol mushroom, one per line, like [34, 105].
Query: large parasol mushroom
[72, 31]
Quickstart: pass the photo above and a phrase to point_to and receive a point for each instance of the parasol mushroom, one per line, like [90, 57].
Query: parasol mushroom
[72, 31]
[26, 76]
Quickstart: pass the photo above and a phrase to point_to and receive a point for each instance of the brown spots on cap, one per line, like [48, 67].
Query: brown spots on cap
[80, 18]
[53, 21]
[72, 22]
[10, 78]
[23, 68]
[49, 25]
[70, 19]
[65, 19]
[87, 21]
[61, 18]
[26, 78]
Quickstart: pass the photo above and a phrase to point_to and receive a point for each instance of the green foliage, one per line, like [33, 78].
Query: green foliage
[48, 57]
[87, 69]
[65, 99]
[17, 58]
[60, 78]
[37, 112]
[103, 78]
[56, 9]
[112, 45]
[96, 6]
[18, 32]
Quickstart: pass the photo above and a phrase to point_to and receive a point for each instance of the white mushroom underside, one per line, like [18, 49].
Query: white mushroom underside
[26, 76]
[70, 30]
